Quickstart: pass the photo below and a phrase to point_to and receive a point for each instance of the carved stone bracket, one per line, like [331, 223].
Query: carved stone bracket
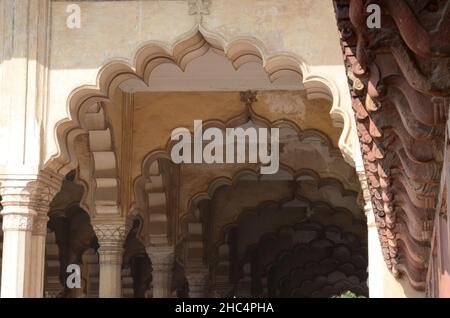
[399, 84]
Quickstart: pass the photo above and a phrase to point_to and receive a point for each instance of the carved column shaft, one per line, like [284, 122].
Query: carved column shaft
[162, 258]
[111, 239]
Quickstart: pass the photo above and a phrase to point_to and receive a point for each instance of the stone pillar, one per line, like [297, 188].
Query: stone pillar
[198, 280]
[162, 258]
[37, 260]
[111, 239]
[16, 254]
[24, 198]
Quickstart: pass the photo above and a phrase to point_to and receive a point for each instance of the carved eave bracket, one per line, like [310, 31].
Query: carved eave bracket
[400, 110]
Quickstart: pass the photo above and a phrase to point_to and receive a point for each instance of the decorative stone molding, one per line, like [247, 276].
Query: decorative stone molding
[111, 238]
[24, 193]
[17, 222]
[28, 197]
[110, 255]
[249, 97]
[199, 7]
[197, 278]
[161, 256]
[110, 234]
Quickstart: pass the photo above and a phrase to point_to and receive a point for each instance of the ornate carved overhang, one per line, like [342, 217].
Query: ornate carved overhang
[399, 79]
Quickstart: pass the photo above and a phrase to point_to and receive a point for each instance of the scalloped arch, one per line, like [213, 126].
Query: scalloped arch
[190, 218]
[195, 43]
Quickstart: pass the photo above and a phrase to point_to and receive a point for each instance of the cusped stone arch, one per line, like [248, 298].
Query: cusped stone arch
[86, 116]
[100, 176]
[286, 171]
[296, 210]
[298, 253]
[151, 176]
[193, 227]
[323, 265]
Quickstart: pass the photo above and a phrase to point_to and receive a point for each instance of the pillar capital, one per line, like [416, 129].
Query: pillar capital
[196, 275]
[111, 237]
[198, 279]
[161, 255]
[26, 200]
[28, 194]
[110, 234]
